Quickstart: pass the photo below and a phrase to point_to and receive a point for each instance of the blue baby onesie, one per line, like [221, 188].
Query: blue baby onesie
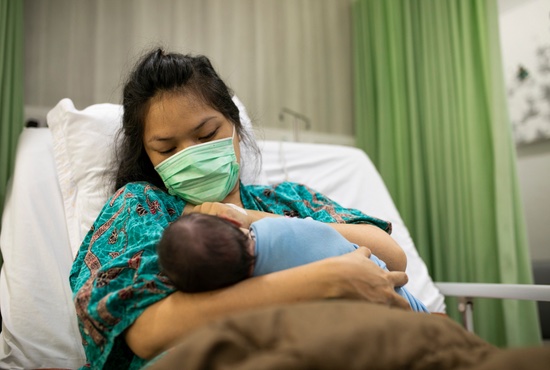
[283, 243]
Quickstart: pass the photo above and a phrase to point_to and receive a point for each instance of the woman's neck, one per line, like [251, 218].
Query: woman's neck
[234, 197]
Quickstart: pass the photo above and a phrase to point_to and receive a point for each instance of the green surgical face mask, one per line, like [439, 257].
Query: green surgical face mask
[201, 173]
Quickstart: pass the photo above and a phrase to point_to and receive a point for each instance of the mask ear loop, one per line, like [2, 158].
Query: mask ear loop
[282, 160]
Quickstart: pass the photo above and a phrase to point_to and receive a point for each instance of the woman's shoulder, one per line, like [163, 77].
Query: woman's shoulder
[141, 189]
[281, 187]
[143, 194]
[285, 198]
[299, 200]
[286, 191]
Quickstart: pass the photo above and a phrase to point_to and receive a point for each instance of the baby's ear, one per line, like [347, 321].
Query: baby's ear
[232, 220]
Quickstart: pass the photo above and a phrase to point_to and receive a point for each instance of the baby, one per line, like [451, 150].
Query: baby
[201, 252]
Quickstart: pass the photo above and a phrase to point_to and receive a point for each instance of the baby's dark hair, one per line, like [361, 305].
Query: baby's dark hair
[160, 72]
[200, 252]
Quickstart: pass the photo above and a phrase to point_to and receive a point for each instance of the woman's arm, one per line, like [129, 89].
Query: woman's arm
[378, 241]
[351, 276]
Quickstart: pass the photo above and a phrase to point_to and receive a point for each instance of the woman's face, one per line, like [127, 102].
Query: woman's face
[176, 121]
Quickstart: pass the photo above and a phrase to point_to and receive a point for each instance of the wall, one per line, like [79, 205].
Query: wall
[534, 176]
[525, 22]
[273, 53]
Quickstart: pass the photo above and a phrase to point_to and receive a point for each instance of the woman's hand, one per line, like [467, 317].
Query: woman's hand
[239, 216]
[232, 213]
[360, 278]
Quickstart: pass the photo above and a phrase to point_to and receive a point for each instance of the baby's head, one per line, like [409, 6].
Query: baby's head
[200, 252]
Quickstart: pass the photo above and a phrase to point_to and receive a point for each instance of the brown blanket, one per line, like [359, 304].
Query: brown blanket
[342, 335]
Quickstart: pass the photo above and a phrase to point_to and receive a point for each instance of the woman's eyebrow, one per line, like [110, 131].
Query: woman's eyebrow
[203, 122]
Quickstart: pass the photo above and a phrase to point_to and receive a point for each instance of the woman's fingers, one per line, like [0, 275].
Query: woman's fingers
[364, 279]
[365, 251]
[398, 278]
[400, 302]
[207, 207]
[189, 208]
[391, 297]
[222, 210]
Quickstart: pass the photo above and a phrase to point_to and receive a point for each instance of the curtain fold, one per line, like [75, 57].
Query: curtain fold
[11, 88]
[430, 111]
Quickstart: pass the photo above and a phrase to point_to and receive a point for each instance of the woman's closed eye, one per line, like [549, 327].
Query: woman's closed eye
[204, 138]
[164, 152]
[209, 136]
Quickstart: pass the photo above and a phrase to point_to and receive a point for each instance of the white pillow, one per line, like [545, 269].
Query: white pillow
[83, 142]
[83, 150]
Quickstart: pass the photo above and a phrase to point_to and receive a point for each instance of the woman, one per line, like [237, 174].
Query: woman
[179, 152]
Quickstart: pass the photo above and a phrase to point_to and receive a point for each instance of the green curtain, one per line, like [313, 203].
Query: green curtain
[430, 110]
[11, 87]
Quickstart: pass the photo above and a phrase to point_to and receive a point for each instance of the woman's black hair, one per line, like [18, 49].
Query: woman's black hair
[159, 72]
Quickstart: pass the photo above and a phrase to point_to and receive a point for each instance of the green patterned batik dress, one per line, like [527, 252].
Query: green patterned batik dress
[115, 276]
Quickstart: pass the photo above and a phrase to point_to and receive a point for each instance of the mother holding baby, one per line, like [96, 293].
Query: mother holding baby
[178, 153]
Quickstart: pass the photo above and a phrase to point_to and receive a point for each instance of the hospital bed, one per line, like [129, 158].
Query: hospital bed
[60, 183]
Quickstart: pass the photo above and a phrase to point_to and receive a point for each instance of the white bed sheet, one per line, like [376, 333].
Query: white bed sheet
[39, 327]
[324, 168]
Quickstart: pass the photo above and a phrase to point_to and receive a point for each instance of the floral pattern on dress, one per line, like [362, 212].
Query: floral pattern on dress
[116, 275]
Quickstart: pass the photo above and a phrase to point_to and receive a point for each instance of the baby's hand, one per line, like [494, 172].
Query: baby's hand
[230, 212]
